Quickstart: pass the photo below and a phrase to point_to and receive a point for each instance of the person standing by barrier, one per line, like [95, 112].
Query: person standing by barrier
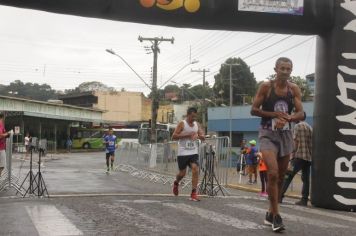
[27, 144]
[274, 103]
[110, 141]
[262, 168]
[241, 162]
[251, 162]
[301, 160]
[187, 133]
[3, 136]
[69, 144]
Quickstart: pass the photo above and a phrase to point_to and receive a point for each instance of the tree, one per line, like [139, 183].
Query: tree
[91, 86]
[303, 85]
[243, 81]
[42, 92]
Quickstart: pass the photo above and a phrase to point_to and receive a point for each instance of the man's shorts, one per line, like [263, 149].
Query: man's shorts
[2, 158]
[184, 161]
[279, 141]
[110, 154]
[252, 169]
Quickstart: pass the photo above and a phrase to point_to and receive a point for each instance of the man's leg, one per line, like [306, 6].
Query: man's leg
[282, 169]
[1, 169]
[296, 168]
[112, 160]
[270, 158]
[195, 176]
[305, 180]
[107, 156]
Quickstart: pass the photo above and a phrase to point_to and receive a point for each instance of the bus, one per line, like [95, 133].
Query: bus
[163, 132]
[92, 138]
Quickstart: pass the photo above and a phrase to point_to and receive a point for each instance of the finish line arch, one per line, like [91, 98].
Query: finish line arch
[334, 21]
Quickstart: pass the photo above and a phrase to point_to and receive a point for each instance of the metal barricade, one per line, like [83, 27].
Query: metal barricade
[8, 180]
[158, 162]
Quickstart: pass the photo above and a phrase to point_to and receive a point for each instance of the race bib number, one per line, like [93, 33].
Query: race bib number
[285, 127]
[189, 145]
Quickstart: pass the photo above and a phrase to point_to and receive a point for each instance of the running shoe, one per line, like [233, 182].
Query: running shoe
[175, 188]
[112, 168]
[194, 197]
[277, 225]
[268, 219]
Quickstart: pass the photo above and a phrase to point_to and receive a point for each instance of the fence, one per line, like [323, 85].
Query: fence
[8, 180]
[158, 162]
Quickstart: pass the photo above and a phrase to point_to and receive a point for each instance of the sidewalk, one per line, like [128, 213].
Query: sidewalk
[239, 181]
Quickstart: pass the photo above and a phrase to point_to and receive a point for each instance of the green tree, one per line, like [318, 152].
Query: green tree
[91, 86]
[303, 85]
[17, 88]
[243, 82]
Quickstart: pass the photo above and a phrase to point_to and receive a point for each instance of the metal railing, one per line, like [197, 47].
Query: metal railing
[8, 180]
[158, 162]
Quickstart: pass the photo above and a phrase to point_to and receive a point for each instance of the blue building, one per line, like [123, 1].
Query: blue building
[244, 126]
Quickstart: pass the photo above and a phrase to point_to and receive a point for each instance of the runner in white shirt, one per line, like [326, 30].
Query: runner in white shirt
[187, 133]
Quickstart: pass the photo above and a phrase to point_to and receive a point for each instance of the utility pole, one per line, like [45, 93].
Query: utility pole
[154, 92]
[204, 97]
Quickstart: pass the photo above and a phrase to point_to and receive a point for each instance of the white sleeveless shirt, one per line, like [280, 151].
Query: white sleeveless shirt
[186, 146]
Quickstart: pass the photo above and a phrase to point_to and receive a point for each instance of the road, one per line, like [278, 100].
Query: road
[86, 201]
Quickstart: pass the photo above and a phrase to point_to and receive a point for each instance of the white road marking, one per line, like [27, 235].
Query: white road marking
[322, 213]
[130, 216]
[295, 218]
[213, 216]
[48, 220]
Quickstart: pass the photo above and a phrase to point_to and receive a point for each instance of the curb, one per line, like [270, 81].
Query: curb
[257, 190]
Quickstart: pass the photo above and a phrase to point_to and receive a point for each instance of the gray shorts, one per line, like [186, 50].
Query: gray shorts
[280, 142]
[2, 158]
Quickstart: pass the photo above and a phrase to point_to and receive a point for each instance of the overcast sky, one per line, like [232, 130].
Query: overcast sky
[64, 51]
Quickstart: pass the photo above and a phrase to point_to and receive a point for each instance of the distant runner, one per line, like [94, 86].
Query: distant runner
[110, 141]
[187, 133]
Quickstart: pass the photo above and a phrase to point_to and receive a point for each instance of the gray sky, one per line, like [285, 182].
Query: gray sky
[64, 51]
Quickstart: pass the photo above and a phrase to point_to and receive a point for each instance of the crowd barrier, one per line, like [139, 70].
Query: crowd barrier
[158, 162]
[8, 180]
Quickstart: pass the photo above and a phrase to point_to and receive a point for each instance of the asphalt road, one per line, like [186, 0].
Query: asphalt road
[86, 201]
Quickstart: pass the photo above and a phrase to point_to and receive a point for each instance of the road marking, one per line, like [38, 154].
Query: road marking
[299, 219]
[322, 213]
[130, 216]
[213, 216]
[48, 220]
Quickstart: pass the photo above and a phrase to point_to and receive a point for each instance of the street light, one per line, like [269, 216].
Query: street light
[114, 53]
[190, 63]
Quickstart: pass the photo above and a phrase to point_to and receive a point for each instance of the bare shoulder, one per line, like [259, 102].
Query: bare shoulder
[265, 86]
[295, 88]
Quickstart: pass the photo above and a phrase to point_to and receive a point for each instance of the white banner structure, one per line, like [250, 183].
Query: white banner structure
[292, 7]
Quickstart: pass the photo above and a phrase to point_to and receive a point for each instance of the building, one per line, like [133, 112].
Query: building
[122, 107]
[45, 120]
[311, 83]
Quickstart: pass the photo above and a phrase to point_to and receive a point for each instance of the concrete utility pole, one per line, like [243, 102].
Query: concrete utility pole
[204, 97]
[155, 103]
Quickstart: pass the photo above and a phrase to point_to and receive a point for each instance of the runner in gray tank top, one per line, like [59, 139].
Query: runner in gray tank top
[274, 103]
[188, 133]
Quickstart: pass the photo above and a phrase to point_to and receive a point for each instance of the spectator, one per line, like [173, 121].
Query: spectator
[251, 162]
[3, 136]
[262, 168]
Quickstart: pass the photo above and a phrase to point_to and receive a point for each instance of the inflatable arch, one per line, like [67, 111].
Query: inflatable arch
[334, 21]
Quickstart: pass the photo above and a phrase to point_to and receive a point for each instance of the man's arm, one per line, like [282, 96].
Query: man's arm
[201, 134]
[299, 112]
[177, 132]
